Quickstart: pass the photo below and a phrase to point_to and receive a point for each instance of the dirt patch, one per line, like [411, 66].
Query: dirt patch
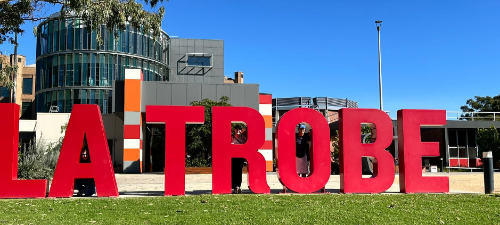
[466, 182]
[471, 182]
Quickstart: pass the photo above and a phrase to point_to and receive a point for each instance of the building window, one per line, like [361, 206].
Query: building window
[4, 92]
[198, 61]
[27, 86]
[26, 110]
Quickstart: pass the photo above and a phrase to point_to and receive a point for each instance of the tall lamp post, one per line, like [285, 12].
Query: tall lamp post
[378, 23]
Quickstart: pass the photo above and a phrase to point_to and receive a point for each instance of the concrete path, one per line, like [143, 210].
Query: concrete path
[152, 184]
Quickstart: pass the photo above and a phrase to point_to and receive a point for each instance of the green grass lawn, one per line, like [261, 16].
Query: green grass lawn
[257, 209]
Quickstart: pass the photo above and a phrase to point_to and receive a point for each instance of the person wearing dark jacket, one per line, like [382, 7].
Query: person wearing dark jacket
[85, 186]
[239, 137]
[302, 151]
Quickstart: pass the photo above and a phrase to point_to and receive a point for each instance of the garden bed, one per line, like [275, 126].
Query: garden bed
[205, 170]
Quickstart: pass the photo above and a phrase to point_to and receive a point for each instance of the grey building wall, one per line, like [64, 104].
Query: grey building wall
[458, 124]
[182, 94]
[185, 85]
[450, 126]
[167, 93]
[181, 73]
[114, 132]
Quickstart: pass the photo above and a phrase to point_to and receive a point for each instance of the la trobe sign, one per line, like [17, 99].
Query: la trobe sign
[86, 121]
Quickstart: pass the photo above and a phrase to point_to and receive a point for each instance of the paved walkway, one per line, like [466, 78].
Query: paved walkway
[152, 184]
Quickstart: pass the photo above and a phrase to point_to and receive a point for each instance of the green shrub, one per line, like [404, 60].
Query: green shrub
[198, 162]
[38, 161]
[488, 140]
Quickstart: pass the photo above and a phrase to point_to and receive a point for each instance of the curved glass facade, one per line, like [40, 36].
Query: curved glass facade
[73, 68]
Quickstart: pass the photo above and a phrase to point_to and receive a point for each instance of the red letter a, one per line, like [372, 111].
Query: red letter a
[10, 186]
[84, 120]
[223, 151]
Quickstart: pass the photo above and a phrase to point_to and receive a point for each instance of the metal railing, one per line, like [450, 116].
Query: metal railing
[491, 116]
[317, 102]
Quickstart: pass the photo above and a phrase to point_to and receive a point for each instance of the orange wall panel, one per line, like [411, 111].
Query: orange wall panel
[131, 154]
[132, 96]
[269, 166]
[268, 121]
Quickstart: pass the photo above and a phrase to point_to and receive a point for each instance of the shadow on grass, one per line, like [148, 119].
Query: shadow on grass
[208, 192]
[160, 193]
[141, 193]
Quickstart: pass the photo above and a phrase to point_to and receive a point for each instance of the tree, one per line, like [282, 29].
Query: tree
[481, 104]
[112, 13]
[488, 140]
[365, 132]
[199, 137]
[11, 18]
[6, 78]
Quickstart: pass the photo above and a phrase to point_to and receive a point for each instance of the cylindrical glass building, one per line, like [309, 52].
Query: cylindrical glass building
[73, 68]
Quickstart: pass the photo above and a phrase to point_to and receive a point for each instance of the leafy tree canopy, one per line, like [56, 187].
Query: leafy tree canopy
[112, 13]
[488, 140]
[199, 137]
[481, 104]
[5, 75]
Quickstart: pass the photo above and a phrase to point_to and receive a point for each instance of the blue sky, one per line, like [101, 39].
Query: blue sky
[435, 54]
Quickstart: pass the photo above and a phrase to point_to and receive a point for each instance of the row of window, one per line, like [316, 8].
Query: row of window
[27, 88]
[71, 34]
[26, 110]
[203, 61]
[4, 92]
[65, 99]
[66, 70]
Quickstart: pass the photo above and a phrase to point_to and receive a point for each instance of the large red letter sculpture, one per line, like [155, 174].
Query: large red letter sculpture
[223, 151]
[352, 151]
[411, 150]
[320, 156]
[84, 120]
[175, 119]
[10, 186]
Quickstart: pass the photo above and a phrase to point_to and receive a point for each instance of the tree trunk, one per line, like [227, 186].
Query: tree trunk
[13, 99]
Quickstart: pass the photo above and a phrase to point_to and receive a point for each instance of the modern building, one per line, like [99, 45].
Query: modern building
[125, 74]
[329, 107]
[73, 67]
[25, 88]
[457, 141]
[122, 75]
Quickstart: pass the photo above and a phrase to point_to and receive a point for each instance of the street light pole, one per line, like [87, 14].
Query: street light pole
[378, 23]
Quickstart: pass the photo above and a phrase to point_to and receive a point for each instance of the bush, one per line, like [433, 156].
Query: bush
[38, 161]
[488, 140]
[197, 162]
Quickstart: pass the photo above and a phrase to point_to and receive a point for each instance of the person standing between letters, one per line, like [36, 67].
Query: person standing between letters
[85, 186]
[302, 151]
[239, 137]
